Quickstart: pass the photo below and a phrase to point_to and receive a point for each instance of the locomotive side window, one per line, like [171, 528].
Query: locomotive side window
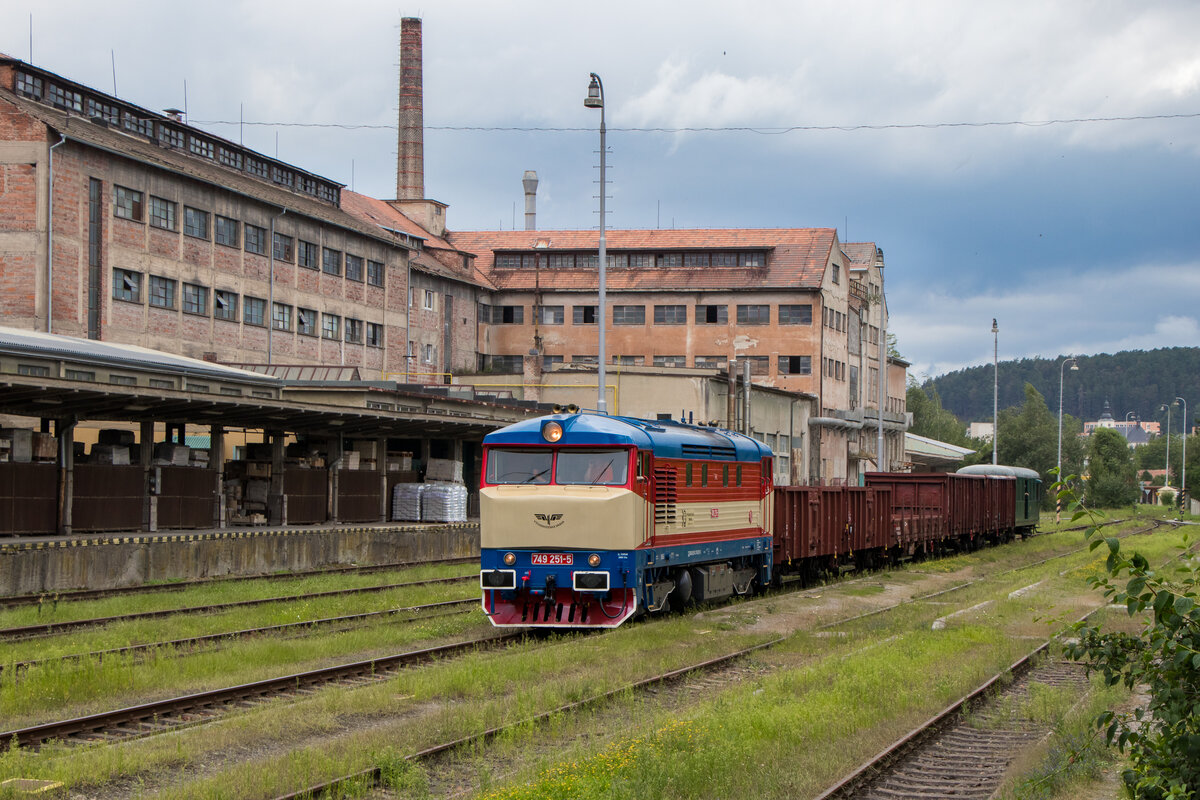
[704, 474]
[593, 467]
[518, 466]
[739, 474]
[689, 474]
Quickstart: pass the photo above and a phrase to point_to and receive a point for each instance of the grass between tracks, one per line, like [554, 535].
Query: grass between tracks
[56, 609]
[74, 687]
[828, 704]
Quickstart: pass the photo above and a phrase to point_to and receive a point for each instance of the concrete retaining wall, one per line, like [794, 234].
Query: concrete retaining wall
[127, 561]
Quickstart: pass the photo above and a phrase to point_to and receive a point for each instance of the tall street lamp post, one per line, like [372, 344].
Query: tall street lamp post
[1167, 473]
[995, 391]
[1062, 371]
[595, 99]
[1183, 477]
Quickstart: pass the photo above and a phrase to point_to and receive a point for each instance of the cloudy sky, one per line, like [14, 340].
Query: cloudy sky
[950, 133]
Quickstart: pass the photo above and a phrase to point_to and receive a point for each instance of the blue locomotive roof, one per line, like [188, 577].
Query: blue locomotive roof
[667, 438]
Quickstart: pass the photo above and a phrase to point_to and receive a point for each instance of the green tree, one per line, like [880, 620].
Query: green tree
[1111, 480]
[1161, 651]
[933, 421]
[1029, 438]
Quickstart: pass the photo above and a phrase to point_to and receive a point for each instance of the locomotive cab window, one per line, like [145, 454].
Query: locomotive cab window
[519, 466]
[592, 467]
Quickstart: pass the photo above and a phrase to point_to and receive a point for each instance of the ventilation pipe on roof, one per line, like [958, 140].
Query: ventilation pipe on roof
[530, 182]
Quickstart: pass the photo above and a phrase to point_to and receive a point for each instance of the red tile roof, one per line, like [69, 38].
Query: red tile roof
[796, 258]
[861, 254]
[379, 213]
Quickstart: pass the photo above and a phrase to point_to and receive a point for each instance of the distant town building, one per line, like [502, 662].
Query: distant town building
[980, 430]
[1134, 431]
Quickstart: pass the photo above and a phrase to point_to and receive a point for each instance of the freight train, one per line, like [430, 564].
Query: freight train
[587, 520]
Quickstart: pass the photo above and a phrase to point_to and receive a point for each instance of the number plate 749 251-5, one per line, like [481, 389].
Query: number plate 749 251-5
[553, 559]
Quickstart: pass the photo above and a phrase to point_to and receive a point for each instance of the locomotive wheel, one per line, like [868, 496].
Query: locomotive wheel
[681, 595]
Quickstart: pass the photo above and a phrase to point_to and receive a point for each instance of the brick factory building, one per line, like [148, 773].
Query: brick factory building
[169, 237]
[166, 236]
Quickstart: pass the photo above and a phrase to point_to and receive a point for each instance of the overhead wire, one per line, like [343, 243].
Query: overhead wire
[766, 131]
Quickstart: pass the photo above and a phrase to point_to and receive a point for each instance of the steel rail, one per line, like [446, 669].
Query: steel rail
[21, 666]
[72, 595]
[893, 754]
[50, 628]
[160, 712]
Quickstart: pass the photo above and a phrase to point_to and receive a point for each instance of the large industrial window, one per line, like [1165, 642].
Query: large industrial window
[712, 315]
[629, 315]
[162, 213]
[795, 314]
[281, 317]
[127, 203]
[331, 326]
[753, 315]
[195, 299]
[226, 231]
[550, 315]
[225, 305]
[710, 362]
[331, 261]
[195, 222]
[795, 365]
[670, 361]
[254, 311]
[375, 273]
[759, 365]
[374, 334]
[670, 315]
[354, 268]
[282, 248]
[509, 315]
[306, 322]
[127, 285]
[255, 239]
[583, 315]
[308, 254]
[354, 330]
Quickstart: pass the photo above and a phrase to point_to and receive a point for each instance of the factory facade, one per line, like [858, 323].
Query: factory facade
[125, 225]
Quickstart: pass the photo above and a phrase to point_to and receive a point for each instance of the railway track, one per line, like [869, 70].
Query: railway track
[153, 718]
[51, 628]
[955, 756]
[41, 598]
[447, 606]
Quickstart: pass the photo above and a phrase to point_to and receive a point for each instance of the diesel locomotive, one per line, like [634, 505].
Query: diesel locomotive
[587, 520]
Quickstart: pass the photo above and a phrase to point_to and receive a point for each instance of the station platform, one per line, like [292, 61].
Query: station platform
[47, 564]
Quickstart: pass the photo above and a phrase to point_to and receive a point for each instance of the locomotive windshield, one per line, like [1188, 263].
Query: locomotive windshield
[593, 467]
[519, 466]
[579, 467]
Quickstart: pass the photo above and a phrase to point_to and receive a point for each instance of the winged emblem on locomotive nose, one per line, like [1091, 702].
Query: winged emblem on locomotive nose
[548, 520]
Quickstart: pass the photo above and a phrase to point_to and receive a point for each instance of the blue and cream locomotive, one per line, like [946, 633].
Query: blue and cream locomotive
[587, 520]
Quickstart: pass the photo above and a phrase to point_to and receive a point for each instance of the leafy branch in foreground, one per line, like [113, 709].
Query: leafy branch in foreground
[1163, 655]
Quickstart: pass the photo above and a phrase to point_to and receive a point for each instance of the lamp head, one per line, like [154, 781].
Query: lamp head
[995, 329]
[594, 98]
[1074, 366]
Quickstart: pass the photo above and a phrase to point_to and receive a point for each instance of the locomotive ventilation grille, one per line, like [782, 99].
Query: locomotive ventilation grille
[708, 452]
[665, 495]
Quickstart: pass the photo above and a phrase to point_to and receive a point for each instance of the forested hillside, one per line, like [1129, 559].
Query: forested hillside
[1140, 381]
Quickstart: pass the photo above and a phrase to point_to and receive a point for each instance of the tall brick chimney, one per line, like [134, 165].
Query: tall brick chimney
[410, 159]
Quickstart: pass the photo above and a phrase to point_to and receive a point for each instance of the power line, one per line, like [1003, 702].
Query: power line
[766, 131]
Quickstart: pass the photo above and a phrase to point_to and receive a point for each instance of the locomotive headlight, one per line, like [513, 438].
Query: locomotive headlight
[552, 432]
[510, 558]
[593, 560]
